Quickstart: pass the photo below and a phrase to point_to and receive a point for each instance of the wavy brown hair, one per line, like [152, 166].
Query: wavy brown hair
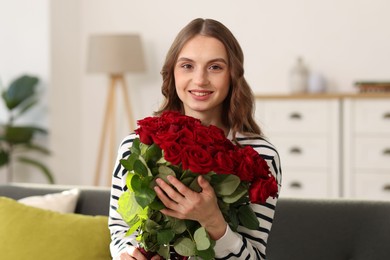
[238, 106]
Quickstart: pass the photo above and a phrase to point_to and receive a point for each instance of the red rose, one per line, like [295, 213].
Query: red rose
[172, 152]
[245, 159]
[147, 128]
[202, 136]
[260, 189]
[196, 159]
[224, 164]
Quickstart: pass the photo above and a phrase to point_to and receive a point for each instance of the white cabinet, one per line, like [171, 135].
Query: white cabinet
[366, 144]
[306, 132]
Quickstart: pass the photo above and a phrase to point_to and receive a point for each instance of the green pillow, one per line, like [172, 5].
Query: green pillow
[32, 233]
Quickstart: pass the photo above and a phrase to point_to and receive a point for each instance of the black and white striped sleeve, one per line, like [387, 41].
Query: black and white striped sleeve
[118, 227]
[251, 244]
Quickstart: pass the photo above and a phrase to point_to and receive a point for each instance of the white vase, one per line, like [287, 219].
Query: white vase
[298, 77]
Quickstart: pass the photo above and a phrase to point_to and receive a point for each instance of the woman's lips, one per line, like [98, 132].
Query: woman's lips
[201, 93]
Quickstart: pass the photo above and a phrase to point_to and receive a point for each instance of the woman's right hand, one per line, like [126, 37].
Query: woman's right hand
[133, 253]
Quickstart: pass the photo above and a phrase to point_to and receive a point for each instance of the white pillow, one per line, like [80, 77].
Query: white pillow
[63, 202]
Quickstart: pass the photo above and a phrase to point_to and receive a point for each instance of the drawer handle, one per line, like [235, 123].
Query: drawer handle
[386, 151]
[296, 150]
[295, 116]
[386, 115]
[386, 188]
[295, 185]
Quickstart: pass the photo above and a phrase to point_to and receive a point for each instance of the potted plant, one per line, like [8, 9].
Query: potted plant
[18, 139]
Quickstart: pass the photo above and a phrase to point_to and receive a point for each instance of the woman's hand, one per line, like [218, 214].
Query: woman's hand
[184, 203]
[132, 253]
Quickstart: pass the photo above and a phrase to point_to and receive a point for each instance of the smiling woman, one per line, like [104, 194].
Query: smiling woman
[203, 78]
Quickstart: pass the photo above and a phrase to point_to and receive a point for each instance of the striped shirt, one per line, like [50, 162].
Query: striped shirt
[243, 244]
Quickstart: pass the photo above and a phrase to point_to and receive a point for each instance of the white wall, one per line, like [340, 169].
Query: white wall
[343, 40]
[25, 48]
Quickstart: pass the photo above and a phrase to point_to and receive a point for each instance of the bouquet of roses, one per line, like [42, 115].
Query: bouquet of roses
[178, 145]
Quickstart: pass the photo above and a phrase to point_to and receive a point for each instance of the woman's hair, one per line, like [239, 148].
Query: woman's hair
[238, 106]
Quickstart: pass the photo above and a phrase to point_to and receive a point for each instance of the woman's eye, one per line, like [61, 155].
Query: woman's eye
[215, 67]
[186, 66]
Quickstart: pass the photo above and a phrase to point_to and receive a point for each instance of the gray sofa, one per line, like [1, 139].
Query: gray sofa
[302, 229]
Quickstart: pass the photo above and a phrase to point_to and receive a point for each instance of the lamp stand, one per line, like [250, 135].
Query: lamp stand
[109, 125]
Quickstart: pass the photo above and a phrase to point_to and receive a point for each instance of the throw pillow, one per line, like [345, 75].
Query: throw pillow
[64, 202]
[32, 233]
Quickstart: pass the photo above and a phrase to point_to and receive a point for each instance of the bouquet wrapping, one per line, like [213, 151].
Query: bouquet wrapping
[179, 145]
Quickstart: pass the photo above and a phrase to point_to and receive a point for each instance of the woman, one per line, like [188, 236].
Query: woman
[203, 77]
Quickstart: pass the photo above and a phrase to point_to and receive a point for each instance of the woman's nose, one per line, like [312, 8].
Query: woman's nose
[201, 77]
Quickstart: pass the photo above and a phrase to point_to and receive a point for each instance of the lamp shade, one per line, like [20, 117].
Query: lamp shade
[115, 54]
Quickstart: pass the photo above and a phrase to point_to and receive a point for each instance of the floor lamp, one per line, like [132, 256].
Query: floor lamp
[114, 55]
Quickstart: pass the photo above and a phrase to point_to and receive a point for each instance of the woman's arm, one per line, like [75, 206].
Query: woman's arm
[117, 226]
[251, 244]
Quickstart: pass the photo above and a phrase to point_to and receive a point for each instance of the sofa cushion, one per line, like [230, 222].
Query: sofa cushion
[63, 202]
[32, 233]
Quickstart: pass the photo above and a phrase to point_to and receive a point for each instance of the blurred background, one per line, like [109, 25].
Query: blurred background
[343, 41]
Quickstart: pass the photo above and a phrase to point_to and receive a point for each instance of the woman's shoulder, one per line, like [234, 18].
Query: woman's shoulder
[258, 142]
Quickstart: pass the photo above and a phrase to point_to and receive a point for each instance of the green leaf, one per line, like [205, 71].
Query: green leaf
[19, 90]
[207, 254]
[128, 163]
[37, 148]
[247, 217]
[184, 246]
[164, 251]
[165, 236]
[38, 165]
[153, 153]
[128, 207]
[152, 226]
[135, 147]
[177, 225]
[239, 193]
[144, 195]
[157, 205]
[202, 239]
[233, 218]
[140, 168]
[19, 134]
[4, 157]
[225, 184]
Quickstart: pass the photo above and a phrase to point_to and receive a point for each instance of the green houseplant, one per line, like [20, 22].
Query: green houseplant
[17, 140]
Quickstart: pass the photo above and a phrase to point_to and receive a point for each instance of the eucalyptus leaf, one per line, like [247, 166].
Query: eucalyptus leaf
[202, 239]
[207, 254]
[184, 246]
[225, 184]
[151, 226]
[236, 195]
[247, 217]
[164, 251]
[165, 236]
[177, 225]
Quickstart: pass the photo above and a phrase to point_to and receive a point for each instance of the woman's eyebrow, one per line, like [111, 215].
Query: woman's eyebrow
[210, 61]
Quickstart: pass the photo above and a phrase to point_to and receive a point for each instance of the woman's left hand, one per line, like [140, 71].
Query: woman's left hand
[184, 203]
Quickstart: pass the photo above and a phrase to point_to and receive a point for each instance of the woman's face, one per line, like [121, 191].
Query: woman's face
[202, 77]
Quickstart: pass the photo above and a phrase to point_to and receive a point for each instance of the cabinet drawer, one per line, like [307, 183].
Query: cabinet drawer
[304, 184]
[293, 116]
[372, 116]
[372, 153]
[372, 185]
[303, 151]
